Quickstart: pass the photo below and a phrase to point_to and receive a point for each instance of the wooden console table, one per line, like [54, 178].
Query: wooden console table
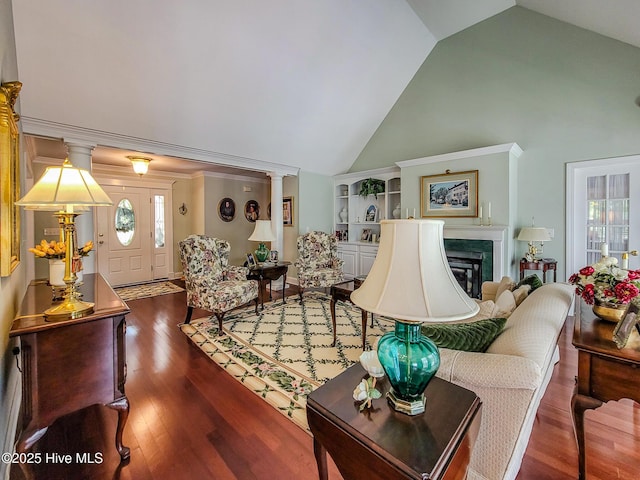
[544, 264]
[604, 372]
[72, 364]
[382, 444]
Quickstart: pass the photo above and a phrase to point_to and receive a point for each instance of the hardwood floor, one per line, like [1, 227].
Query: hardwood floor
[191, 420]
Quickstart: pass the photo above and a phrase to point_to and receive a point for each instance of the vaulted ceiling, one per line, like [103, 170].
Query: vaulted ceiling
[279, 85]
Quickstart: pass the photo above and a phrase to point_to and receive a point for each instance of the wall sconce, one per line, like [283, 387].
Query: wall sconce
[140, 164]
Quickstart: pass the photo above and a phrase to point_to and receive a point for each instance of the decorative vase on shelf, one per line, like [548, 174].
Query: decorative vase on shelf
[396, 211]
[344, 214]
[56, 272]
[609, 312]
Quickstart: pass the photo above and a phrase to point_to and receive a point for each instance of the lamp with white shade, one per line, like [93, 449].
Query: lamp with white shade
[262, 233]
[411, 281]
[70, 190]
[534, 234]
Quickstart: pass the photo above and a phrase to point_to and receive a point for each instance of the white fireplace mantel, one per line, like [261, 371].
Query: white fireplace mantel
[496, 233]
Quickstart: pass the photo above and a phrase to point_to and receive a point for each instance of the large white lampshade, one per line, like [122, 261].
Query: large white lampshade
[411, 279]
[534, 234]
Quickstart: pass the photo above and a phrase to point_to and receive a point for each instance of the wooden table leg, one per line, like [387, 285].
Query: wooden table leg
[30, 435]
[332, 304]
[321, 459]
[122, 407]
[284, 285]
[580, 403]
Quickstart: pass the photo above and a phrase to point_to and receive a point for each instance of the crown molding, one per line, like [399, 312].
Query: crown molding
[513, 149]
[45, 128]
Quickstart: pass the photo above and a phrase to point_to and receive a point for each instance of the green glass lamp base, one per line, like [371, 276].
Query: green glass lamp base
[262, 253]
[413, 407]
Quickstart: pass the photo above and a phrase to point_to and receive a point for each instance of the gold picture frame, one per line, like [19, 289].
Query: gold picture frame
[452, 194]
[287, 211]
[9, 179]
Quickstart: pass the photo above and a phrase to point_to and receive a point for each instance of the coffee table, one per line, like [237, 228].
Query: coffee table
[266, 272]
[342, 292]
[381, 443]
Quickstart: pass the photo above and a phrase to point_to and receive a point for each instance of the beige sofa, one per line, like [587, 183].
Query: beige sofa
[511, 377]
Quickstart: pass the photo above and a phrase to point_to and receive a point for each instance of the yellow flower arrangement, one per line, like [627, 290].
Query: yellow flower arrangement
[50, 249]
[85, 249]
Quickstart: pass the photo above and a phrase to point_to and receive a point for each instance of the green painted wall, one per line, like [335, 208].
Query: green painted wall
[562, 93]
[315, 206]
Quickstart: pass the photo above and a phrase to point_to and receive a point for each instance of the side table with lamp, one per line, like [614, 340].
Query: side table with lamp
[72, 351]
[411, 282]
[531, 260]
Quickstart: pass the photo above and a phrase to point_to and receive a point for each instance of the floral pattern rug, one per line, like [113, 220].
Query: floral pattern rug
[285, 352]
[146, 290]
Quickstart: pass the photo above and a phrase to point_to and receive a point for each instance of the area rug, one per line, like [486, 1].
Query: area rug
[146, 290]
[285, 352]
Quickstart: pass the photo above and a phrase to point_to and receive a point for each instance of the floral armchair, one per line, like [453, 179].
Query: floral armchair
[317, 263]
[211, 283]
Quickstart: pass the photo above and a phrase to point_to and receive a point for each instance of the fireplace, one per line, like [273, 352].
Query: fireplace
[467, 268]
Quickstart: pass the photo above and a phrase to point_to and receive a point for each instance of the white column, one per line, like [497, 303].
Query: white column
[276, 213]
[80, 156]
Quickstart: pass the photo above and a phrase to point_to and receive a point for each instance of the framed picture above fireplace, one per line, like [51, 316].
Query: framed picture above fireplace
[452, 194]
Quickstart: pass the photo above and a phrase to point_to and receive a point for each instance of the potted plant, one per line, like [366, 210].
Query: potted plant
[371, 186]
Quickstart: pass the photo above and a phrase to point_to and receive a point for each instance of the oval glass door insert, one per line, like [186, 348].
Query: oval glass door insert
[125, 222]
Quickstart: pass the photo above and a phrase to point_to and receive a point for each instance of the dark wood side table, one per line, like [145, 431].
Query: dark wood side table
[70, 364]
[265, 273]
[544, 264]
[382, 444]
[342, 292]
[604, 372]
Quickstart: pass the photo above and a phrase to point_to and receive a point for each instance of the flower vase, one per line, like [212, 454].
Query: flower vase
[610, 312]
[56, 272]
[344, 215]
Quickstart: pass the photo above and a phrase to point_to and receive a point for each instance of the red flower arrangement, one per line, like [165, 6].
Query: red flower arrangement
[605, 282]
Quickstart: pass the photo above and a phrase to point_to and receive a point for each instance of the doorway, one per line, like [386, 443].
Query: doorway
[134, 236]
[602, 208]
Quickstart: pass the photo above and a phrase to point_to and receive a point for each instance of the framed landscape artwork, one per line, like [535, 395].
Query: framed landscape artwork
[452, 194]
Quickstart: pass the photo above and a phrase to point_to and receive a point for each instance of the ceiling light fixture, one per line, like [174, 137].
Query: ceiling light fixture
[140, 164]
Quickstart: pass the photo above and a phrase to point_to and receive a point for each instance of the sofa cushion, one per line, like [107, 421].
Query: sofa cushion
[533, 280]
[470, 337]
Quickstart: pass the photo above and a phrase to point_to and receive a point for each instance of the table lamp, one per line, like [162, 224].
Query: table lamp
[534, 234]
[262, 233]
[411, 281]
[67, 187]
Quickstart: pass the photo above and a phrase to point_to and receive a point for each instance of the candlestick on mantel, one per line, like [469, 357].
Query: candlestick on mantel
[407, 213]
[414, 213]
[480, 212]
[489, 209]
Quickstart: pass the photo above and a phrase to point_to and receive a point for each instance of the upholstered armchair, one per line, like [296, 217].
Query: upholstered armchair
[211, 283]
[318, 263]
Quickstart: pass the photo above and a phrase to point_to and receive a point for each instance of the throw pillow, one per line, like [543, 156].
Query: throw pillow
[520, 293]
[533, 280]
[469, 337]
[505, 284]
[505, 304]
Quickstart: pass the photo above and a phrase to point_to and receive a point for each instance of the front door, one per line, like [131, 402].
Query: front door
[132, 242]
